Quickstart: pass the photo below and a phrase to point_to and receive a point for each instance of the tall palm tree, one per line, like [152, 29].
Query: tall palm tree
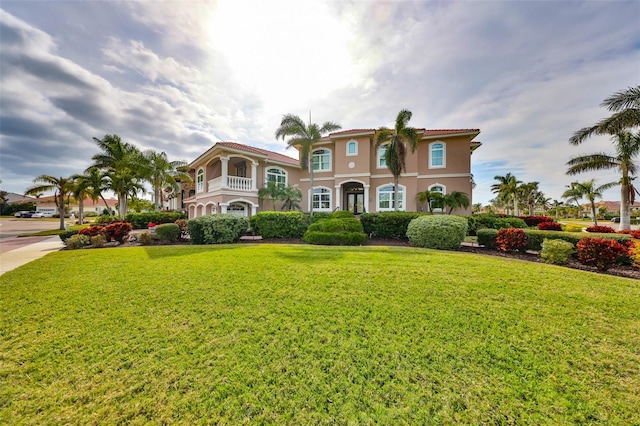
[627, 149]
[626, 106]
[80, 191]
[396, 153]
[122, 162]
[162, 173]
[556, 204]
[507, 190]
[530, 194]
[303, 137]
[62, 187]
[455, 200]
[590, 191]
[96, 183]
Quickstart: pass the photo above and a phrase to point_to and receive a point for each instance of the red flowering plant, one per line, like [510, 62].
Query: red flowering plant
[535, 220]
[511, 239]
[601, 229]
[151, 225]
[92, 231]
[117, 231]
[633, 233]
[600, 252]
[549, 226]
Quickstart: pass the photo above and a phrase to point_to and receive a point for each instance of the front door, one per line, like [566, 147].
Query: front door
[355, 203]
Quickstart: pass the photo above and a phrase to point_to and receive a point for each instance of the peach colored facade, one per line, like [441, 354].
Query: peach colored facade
[349, 174]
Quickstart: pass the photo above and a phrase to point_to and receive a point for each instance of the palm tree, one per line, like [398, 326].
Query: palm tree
[430, 198]
[556, 204]
[162, 173]
[291, 197]
[455, 200]
[122, 162]
[272, 191]
[96, 183]
[590, 191]
[507, 190]
[396, 153]
[627, 149]
[530, 193]
[626, 105]
[303, 137]
[62, 187]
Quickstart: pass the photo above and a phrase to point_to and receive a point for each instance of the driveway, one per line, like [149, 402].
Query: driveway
[10, 228]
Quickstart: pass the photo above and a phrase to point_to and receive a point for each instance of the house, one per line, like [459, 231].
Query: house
[350, 173]
[48, 205]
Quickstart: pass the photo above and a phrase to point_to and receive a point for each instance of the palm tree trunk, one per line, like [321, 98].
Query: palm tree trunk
[625, 213]
[122, 205]
[157, 194]
[61, 209]
[310, 165]
[395, 193]
[593, 213]
[80, 211]
[106, 205]
[515, 206]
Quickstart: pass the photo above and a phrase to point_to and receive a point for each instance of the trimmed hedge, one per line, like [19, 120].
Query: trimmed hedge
[65, 235]
[335, 238]
[557, 252]
[388, 224]
[437, 232]
[272, 224]
[217, 228]
[168, 232]
[342, 214]
[141, 220]
[535, 237]
[491, 221]
[336, 225]
[536, 220]
[487, 237]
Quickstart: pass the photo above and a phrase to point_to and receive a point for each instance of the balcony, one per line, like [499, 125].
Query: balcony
[234, 183]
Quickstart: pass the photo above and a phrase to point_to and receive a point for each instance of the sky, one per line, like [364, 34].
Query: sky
[178, 76]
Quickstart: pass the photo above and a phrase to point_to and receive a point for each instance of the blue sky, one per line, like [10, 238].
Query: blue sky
[178, 76]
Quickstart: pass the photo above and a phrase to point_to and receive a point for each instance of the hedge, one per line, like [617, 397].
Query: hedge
[272, 224]
[336, 225]
[491, 221]
[387, 224]
[487, 237]
[535, 237]
[335, 238]
[141, 220]
[168, 232]
[217, 228]
[442, 232]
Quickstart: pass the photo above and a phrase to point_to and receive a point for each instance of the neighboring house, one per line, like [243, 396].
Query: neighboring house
[48, 205]
[13, 198]
[613, 207]
[349, 174]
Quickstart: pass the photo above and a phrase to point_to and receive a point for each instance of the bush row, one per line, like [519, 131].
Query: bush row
[441, 232]
[341, 228]
[217, 228]
[388, 224]
[141, 220]
[535, 237]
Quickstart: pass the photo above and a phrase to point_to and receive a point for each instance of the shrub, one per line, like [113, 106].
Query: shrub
[572, 227]
[487, 237]
[117, 231]
[90, 214]
[182, 224]
[601, 229]
[437, 232]
[77, 241]
[168, 232]
[105, 220]
[511, 239]
[536, 237]
[634, 253]
[535, 220]
[549, 226]
[388, 224]
[65, 235]
[92, 231]
[146, 238]
[316, 216]
[217, 228]
[98, 240]
[141, 220]
[335, 238]
[557, 252]
[631, 232]
[336, 225]
[492, 221]
[510, 222]
[600, 252]
[272, 224]
[342, 214]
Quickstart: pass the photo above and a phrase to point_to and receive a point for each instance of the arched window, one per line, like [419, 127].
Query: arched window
[352, 148]
[321, 199]
[437, 155]
[385, 198]
[381, 160]
[277, 176]
[321, 160]
[200, 180]
[437, 205]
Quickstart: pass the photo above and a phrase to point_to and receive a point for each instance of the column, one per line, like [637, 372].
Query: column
[367, 204]
[337, 206]
[225, 173]
[224, 207]
[254, 209]
[254, 176]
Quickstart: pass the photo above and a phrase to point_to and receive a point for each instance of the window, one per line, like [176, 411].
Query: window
[352, 148]
[321, 160]
[321, 199]
[385, 198]
[382, 150]
[437, 155]
[200, 180]
[436, 205]
[278, 176]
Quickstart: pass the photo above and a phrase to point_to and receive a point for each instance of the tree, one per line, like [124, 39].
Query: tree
[162, 173]
[62, 187]
[96, 183]
[431, 198]
[626, 107]
[507, 190]
[271, 191]
[530, 194]
[122, 162]
[396, 153]
[455, 200]
[291, 197]
[589, 191]
[627, 149]
[303, 137]
[477, 207]
[80, 191]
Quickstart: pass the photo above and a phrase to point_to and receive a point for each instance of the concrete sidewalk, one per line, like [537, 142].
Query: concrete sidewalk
[12, 259]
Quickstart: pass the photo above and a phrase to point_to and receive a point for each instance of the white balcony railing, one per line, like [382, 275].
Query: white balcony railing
[235, 183]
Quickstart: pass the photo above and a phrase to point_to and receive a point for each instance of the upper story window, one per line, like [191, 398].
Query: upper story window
[437, 155]
[321, 199]
[200, 180]
[321, 160]
[352, 148]
[276, 175]
[381, 160]
[386, 201]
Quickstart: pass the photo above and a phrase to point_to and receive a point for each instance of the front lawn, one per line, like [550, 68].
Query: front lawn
[295, 334]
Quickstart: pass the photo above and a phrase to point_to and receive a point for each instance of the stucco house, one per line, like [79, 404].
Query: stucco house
[349, 174]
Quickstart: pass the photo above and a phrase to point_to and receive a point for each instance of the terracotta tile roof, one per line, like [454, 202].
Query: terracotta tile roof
[437, 132]
[348, 132]
[252, 149]
[88, 202]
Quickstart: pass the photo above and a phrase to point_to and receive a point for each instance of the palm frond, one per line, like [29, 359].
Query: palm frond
[629, 98]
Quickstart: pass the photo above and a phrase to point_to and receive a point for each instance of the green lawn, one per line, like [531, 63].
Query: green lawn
[296, 334]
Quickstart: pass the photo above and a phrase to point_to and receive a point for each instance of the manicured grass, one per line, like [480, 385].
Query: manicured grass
[295, 334]
[53, 231]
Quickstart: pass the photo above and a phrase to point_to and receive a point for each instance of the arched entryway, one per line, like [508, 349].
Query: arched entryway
[353, 197]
